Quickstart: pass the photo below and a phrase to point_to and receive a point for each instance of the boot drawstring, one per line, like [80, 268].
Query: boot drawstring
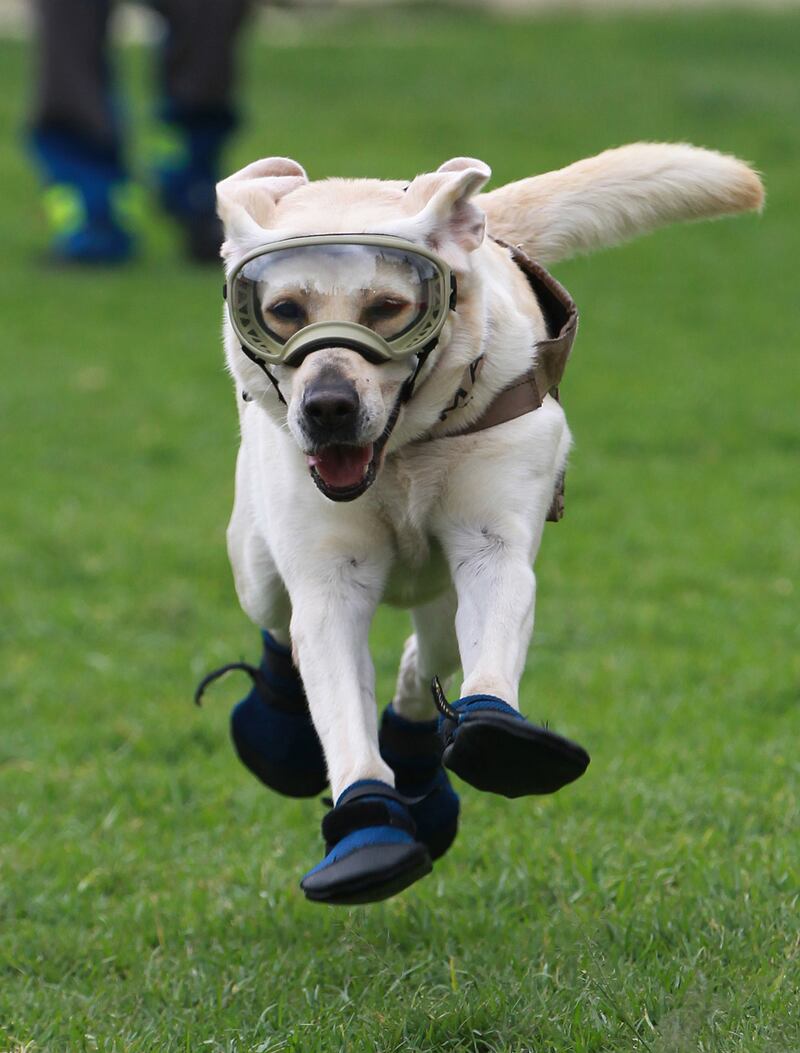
[254, 674]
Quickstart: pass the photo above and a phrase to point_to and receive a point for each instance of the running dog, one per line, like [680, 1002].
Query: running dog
[396, 354]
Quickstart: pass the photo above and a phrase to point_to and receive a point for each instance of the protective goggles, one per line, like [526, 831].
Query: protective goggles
[381, 296]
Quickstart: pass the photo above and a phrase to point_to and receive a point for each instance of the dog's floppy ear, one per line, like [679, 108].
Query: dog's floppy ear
[446, 215]
[246, 200]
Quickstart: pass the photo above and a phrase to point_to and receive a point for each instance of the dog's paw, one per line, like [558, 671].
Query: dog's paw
[490, 745]
[372, 850]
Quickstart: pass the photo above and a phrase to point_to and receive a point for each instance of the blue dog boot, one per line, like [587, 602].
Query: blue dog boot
[271, 728]
[413, 750]
[372, 850]
[490, 745]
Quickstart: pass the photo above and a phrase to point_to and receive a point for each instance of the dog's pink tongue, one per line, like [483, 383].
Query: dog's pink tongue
[341, 466]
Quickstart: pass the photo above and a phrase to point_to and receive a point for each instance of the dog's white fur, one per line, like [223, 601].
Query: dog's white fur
[450, 528]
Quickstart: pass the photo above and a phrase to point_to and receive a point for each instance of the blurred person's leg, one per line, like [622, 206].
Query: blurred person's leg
[75, 133]
[199, 111]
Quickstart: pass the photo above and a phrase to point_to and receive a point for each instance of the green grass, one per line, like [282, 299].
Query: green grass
[149, 897]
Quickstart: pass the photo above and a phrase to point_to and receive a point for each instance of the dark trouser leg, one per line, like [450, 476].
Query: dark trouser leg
[199, 56]
[198, 72]
[74, 133]
[72, 75]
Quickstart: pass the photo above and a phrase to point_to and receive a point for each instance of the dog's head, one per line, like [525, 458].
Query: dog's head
[342, 404]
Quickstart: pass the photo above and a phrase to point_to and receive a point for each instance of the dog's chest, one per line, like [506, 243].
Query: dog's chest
[410, 494]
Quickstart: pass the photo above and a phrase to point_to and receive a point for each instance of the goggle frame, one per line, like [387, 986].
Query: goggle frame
[259, 343]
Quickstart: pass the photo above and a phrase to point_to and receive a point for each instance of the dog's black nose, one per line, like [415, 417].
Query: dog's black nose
[331, 407]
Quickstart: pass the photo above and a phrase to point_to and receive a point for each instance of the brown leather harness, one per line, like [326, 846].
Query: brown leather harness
[525, 394]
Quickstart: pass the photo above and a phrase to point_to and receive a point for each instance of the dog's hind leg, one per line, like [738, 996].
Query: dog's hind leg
[432, 650]
[409, 738]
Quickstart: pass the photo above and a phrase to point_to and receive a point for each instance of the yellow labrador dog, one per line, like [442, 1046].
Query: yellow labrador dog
[396, 353]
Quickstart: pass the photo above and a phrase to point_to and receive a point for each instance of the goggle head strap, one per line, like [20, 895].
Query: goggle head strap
[262, 366]
[406, 392]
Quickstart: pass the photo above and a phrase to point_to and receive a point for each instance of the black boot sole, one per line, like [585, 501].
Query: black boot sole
[368, 875]
[508, 756]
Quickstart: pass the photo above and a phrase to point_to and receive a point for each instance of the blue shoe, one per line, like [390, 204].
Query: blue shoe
[413, 750]
[90, 206]
[271, 728]
[202, 230]
[372, 850]
[490, 745]
[186, 175]
[92, 243]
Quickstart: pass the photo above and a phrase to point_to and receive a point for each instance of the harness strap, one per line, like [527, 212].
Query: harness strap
[525, 394]
[520, 397]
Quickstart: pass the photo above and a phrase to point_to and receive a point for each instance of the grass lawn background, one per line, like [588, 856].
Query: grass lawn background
[148, 896]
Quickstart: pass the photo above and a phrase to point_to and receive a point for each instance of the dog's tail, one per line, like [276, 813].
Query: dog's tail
[618, 195]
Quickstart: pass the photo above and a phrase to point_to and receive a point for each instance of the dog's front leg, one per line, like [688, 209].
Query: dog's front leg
[486, 740]
[335, 568]
[490, 522]
[496, 588]
[493, 517]
[334, 597]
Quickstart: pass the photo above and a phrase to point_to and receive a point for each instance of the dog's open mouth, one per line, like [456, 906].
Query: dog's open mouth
[342, 472]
